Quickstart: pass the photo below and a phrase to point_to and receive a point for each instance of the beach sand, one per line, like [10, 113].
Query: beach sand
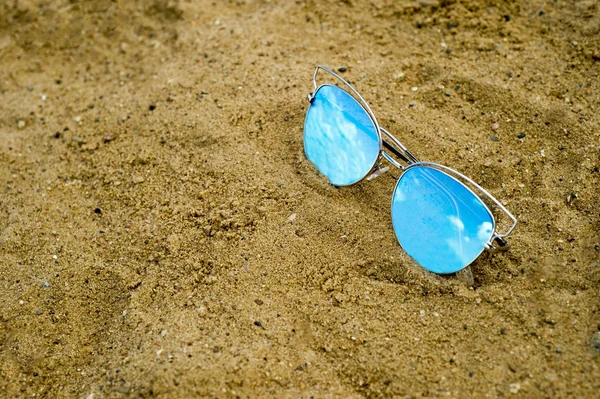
[163, 235]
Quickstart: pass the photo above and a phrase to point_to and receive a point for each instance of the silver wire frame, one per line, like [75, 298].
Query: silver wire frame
[396, 148]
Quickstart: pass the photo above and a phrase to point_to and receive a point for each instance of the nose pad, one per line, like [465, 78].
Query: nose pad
[497, 243]
[378, 171]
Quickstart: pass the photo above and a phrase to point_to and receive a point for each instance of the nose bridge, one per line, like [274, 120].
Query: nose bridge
[396, 148]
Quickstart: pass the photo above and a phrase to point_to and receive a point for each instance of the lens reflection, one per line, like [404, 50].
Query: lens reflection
[438, 221]
[339, 136]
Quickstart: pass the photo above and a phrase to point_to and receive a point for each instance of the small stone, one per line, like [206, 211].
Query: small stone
[45, 284]
[493, 137]
[596, 341]
[257, 323]
[152, 107]
[399, 76]
[258, 302]
[514, 388]
[415, 89]
[163, 333]
[38, 311]
[521, 135]
[291, 218]
[342, 69]
[21, 124]
[97, 211]
[495, 126]
[137, 179]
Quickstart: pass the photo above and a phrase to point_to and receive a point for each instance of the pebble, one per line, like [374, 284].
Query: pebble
[257, 323]
[45, 284]
[596, 341]
[493, 137]
[415, 89]
[258, 302]
[152, 107]
[495, 126]
[521, 135]
[342, 69]
[291, 218]
[21, 124]
[514, 388]
[399, 76]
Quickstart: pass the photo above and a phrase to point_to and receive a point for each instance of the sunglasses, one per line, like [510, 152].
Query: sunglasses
[437, 217]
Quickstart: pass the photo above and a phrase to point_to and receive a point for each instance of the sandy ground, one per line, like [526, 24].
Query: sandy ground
[163, 235]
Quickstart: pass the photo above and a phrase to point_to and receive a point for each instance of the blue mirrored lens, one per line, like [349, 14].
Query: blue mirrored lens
[438, 221]
[339, 136]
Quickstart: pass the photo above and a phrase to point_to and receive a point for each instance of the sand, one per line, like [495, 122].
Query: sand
[163, 235]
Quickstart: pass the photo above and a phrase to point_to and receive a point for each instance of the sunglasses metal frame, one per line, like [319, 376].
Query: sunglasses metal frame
[395, 147]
